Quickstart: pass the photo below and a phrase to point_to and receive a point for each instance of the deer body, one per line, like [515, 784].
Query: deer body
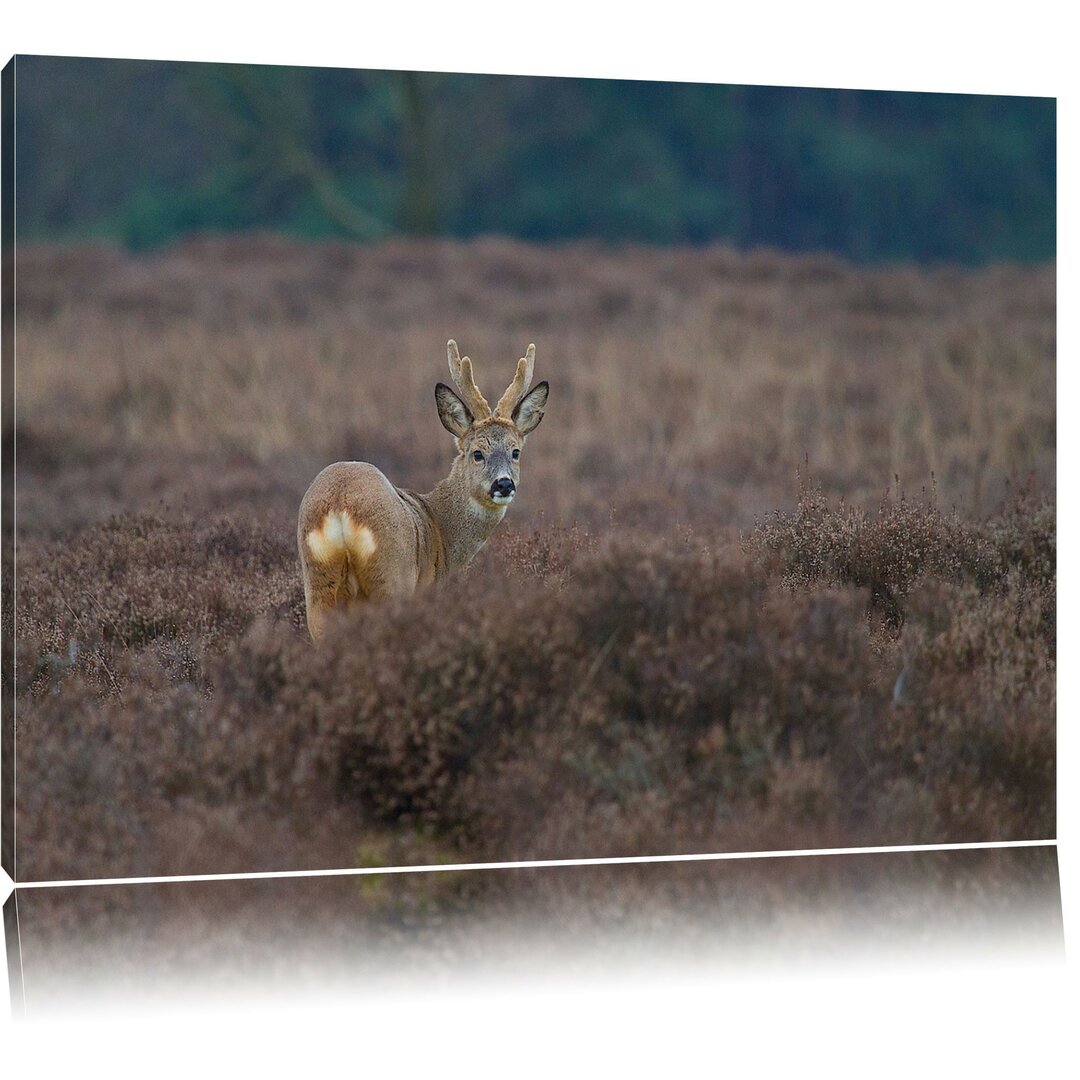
[362, 539]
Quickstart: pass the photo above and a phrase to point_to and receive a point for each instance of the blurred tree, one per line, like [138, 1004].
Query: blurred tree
[419, 212]
[281, 136]
[145, 151]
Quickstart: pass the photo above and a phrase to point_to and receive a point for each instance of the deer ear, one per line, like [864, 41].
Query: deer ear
[452, 412]
[530, 409]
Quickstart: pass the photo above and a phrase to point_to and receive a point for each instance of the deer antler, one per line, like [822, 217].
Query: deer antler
[516, 390]
[462, 373]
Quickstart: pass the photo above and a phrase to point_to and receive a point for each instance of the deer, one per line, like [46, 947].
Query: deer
[363, 540]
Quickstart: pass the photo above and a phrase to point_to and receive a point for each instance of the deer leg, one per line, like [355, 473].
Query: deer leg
[322, 585]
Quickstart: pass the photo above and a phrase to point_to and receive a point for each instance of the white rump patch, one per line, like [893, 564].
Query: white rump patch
[339, 536]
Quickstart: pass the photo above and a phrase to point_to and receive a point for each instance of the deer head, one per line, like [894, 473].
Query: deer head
[489, 441]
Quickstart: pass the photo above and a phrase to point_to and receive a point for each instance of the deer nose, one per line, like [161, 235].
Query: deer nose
[503, 486]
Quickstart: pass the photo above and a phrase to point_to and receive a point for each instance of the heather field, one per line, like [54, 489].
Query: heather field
[781, 572]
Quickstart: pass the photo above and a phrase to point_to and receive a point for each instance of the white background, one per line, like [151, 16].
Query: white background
[993, 1021]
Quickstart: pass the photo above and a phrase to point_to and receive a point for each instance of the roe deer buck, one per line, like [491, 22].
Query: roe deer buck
[361, 538]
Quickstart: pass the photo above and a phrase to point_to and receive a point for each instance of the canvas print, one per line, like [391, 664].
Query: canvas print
[433, 468]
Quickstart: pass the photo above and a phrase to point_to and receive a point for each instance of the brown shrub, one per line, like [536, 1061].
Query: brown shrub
[889, 551]
[179, 587]
[605, 680]
[976, 707]
[625, 697]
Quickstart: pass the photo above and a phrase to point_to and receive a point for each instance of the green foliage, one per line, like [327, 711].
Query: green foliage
[145, 151]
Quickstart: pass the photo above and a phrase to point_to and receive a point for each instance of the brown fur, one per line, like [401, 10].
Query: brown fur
[362, 539]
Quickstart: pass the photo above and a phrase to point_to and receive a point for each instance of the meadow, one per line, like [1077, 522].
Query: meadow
[781, 572]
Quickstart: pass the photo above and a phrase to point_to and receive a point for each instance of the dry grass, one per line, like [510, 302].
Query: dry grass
[688, 386]
[621, 673]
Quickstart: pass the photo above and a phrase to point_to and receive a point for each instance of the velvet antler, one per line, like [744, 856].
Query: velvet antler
[461, 372]
[517, 389]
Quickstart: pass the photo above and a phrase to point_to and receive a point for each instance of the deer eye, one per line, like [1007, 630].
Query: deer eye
[477, 456]
[517, 454]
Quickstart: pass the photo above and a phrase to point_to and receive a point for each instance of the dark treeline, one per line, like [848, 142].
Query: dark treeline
[142, 152]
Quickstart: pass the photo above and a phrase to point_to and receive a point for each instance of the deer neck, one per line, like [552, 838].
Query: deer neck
[464, 524]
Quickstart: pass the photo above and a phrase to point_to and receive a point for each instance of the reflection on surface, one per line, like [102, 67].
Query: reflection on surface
[91, 945]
